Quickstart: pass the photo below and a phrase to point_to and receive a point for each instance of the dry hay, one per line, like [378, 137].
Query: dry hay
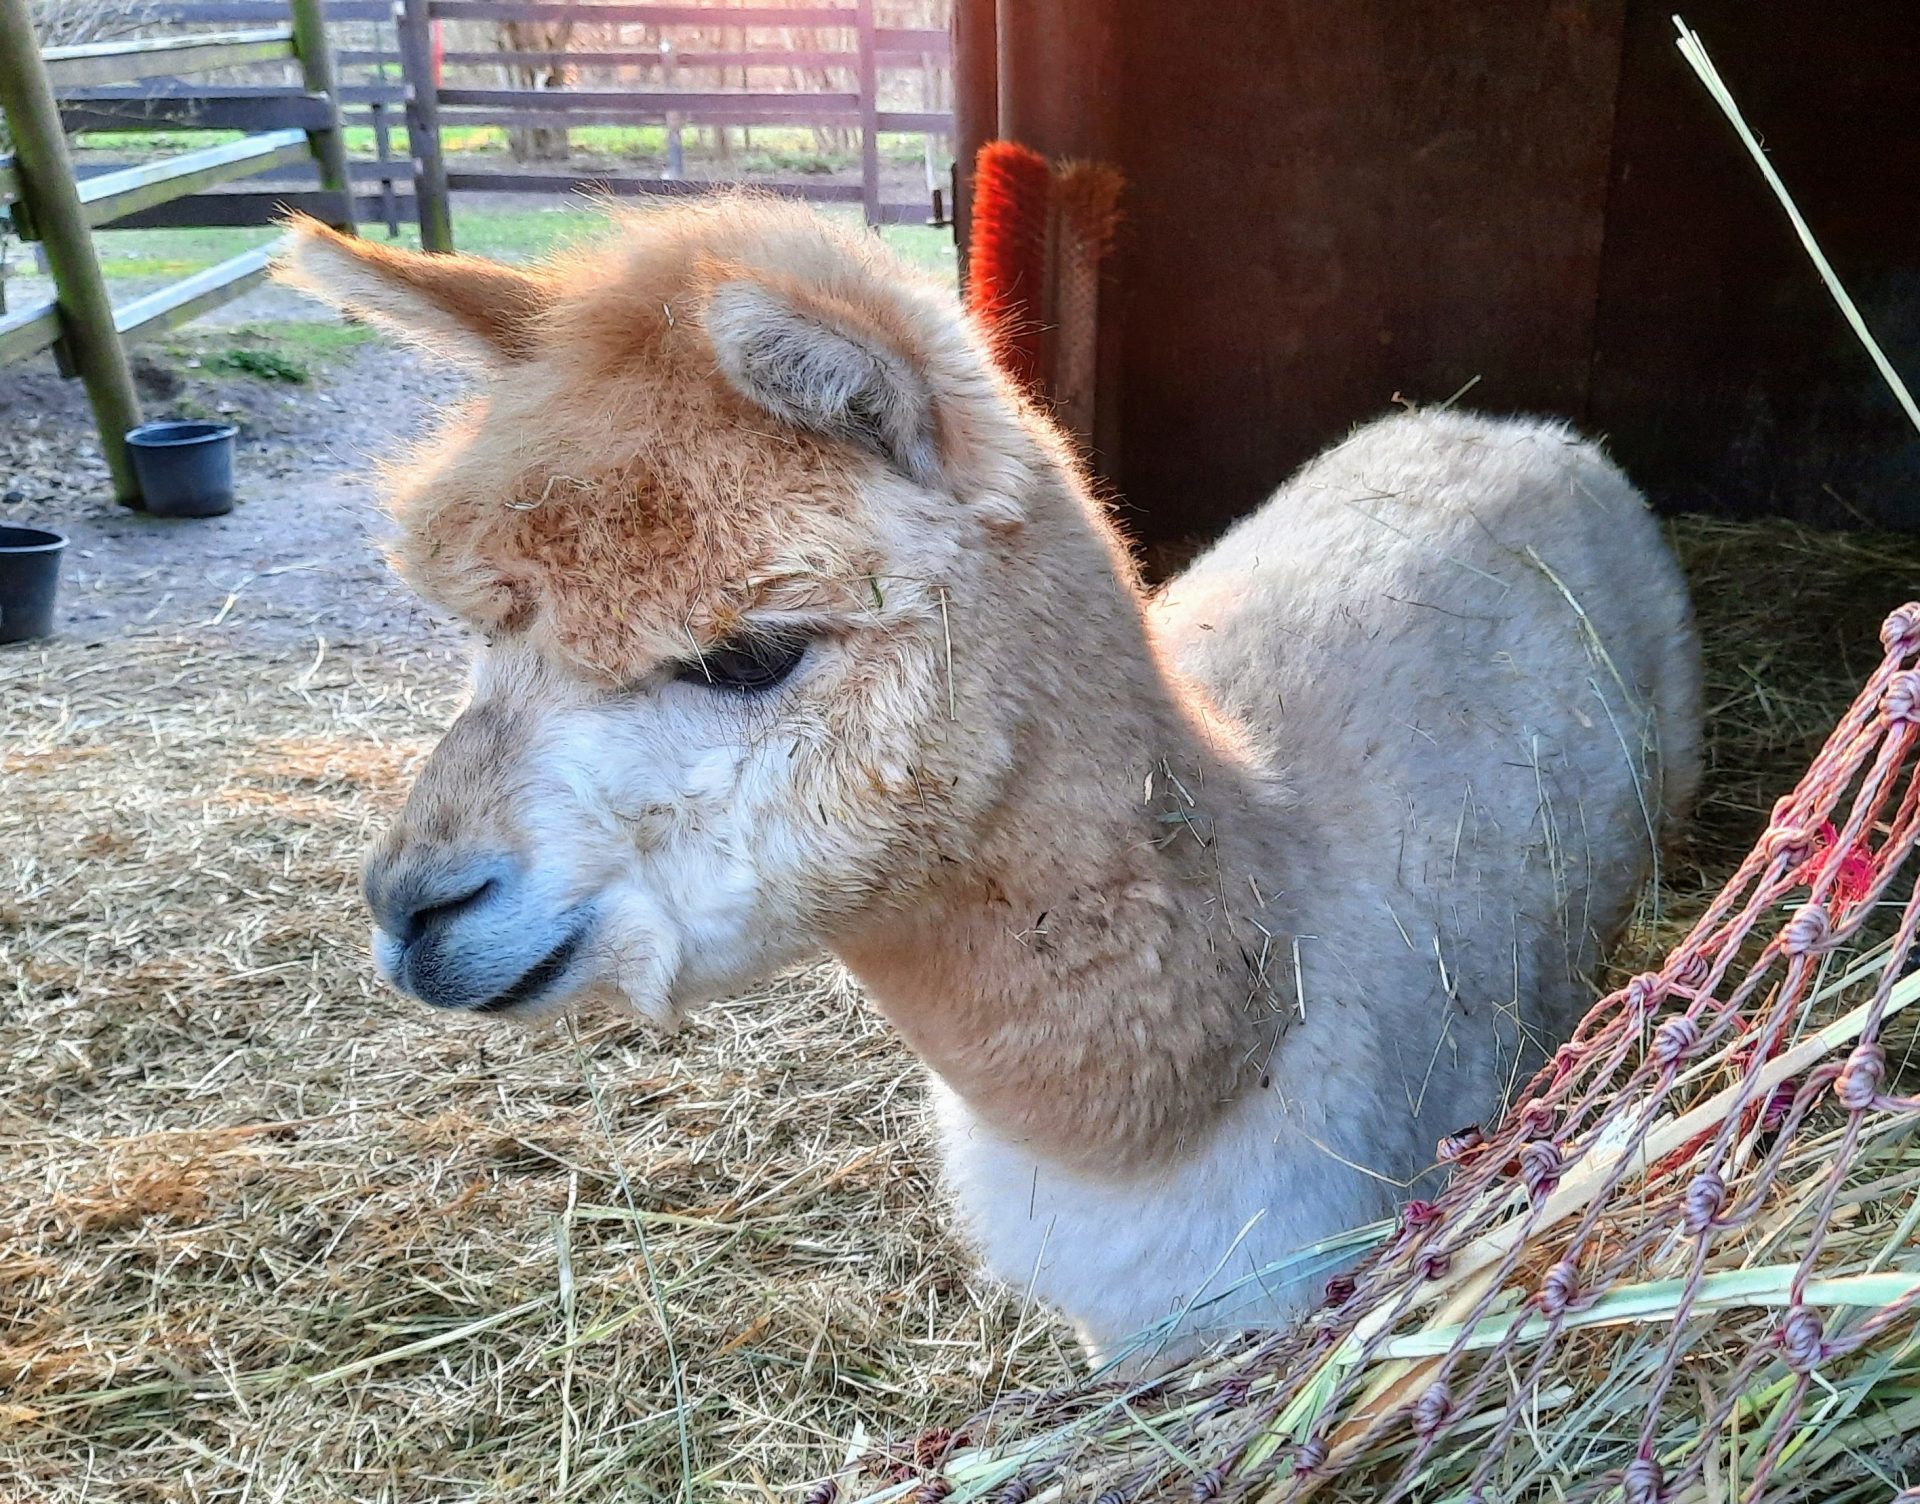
[265, 1227]
[267, 1232]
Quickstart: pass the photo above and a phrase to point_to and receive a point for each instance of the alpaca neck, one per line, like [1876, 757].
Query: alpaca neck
[1089, 977]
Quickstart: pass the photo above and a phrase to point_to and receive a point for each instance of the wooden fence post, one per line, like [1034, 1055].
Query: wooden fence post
[869, 113]
[317, 74]
[431, 200]
[47, 188]
[670, 76]
[383, 152]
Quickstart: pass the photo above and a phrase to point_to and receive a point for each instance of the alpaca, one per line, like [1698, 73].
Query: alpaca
[1207, 911]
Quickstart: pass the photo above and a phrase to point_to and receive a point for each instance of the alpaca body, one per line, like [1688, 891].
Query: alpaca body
[1207, 913]
[1472, 796]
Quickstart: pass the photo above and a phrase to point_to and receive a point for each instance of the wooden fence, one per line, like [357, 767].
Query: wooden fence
[48, 203]
[145, 84]
[404, 93]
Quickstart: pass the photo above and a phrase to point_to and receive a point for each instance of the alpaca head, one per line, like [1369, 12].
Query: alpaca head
[743, 516]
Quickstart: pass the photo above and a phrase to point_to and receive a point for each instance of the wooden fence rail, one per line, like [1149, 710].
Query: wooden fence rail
[52, 203]
[406, 80]
[446, 107]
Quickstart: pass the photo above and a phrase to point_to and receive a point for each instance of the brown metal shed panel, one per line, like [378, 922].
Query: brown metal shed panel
[1723, 373]
[1334, 202]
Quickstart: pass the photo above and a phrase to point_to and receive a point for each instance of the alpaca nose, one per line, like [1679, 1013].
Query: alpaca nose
[411, 896]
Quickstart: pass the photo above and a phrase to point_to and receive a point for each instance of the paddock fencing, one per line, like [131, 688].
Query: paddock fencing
[422, 75]
[50, 203]
[347, 110]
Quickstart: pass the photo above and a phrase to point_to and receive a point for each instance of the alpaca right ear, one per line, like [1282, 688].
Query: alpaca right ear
[879, 364]
[475, 312]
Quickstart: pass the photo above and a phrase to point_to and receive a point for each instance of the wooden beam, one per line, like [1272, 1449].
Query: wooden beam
[28, 331]
[315, 53]
[47, 187]
[163, 57]
[226, 12]
[619, 186]
[536, 115]
[226, 111]
[225, 210]
[649, 103]
[915, 122]
[113, 195]
[182, 90]
[869, 87]
[415, 31]
[640, 15]
[187, 299]
[897, 54]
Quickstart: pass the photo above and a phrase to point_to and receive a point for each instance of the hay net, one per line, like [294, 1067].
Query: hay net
[1683, 1266]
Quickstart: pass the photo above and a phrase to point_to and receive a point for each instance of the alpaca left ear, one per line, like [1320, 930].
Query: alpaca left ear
[813, 361]
[478, 313]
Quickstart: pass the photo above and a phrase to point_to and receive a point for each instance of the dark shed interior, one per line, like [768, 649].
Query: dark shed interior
[1334, 203]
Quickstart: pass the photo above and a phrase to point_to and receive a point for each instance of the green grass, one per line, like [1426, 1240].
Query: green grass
[284, 350]
[171, 254]
[775, 148]
[266, 363]
[503, 234]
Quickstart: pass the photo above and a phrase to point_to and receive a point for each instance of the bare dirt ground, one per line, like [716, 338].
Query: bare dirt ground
[298, 558]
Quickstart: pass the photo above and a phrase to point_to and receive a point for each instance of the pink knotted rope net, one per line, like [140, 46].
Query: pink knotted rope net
[1697, 1154]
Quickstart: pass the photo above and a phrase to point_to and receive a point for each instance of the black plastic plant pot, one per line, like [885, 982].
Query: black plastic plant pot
[184, 469]
[29, 579]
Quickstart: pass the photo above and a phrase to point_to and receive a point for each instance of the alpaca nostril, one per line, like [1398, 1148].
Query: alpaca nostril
[410, 900]
[424, 918]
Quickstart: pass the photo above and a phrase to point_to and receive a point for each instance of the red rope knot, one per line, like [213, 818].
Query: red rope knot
[1809, 932]
[1435, 1265]
[1566, 1060]
[1458, 1145]
[1802, 1339]
[1900, 632]
[824, 1492]
[933, 1491]
[1540, 1167]
[1643, 1482]
[1674, 1040]
[1774, 1115]
[1691, 971]
[1311, 1457]
[1865, 1073]
[1340, 1290]
[1558, 1289]
[1210, 1484]
[1433, 1409]
[1706, 1199]
[1418, 1214]
[1017, 1491]
[1903, 697]
[1789, 845]
[1643, 993]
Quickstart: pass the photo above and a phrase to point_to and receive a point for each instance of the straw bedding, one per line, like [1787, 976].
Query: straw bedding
[268, 1233]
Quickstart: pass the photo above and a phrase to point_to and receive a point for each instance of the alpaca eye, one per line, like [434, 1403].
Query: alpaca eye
[746, 665]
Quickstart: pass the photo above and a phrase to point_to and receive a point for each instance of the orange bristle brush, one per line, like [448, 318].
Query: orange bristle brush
[1007, 253]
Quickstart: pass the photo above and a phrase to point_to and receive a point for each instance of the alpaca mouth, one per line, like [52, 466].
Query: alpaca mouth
[539, 978]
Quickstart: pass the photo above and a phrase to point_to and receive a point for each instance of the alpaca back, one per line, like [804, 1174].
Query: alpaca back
[1465, 646]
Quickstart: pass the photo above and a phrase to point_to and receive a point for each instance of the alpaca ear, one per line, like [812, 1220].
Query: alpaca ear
[814, 361]
[476, 312]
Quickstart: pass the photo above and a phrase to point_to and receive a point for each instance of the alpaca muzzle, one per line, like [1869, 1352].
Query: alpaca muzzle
[470, 931]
